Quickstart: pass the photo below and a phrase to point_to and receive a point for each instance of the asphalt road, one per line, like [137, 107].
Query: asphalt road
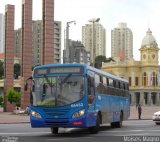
[132, 130]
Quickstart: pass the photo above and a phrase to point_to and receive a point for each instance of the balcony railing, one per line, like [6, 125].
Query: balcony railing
[17, 83]
[134, 88]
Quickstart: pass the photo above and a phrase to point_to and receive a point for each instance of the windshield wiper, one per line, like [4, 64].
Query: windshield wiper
[65, 79]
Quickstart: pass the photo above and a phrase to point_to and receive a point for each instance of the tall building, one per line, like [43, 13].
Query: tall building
[78, 53]
[37, 33]
[143, 75]
[94, 39]
[2, 32]
[37, 42]
[122, 42]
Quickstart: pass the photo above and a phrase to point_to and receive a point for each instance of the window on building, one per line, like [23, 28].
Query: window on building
[136, 81]
[153, 79]
[130, 80]
[144, 79]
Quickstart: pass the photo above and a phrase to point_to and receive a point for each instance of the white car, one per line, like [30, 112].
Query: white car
[156, 117]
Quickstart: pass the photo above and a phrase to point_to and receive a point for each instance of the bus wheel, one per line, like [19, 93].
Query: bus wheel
[119, 124]
[54, 130]
[95, 129]
[113, 124]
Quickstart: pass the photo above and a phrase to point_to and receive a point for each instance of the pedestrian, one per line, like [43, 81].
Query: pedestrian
[139, 111]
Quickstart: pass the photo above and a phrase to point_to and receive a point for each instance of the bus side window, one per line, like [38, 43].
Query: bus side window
[90, 89]
[107, 81]
[90, 85]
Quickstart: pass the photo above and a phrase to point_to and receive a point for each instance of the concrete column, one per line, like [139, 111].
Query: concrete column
[48, 32]
[26, 66]
[133, 99]
[142, 98]
[149, 100]
[9, 60]
[157, 99]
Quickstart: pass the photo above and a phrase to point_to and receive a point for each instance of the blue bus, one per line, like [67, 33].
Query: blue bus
[77, 96]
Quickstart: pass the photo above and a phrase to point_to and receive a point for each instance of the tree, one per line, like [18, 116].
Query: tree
[98, 61]
[35, 66]
[1, 70]
[109, 59]
[1, 100]
[17, 70]
[13, 96]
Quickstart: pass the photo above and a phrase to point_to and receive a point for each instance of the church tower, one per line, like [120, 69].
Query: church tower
[149, 50]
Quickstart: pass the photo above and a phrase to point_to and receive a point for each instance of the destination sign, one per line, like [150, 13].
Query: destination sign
[58, 70]
[65, 70]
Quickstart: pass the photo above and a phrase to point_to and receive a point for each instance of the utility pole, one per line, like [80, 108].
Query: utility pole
[67, 41]
[93, 52]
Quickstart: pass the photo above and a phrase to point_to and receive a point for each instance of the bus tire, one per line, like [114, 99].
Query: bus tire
[113, 124]
[95, 129]
[157, 123]
[119, 123]
[54, 130]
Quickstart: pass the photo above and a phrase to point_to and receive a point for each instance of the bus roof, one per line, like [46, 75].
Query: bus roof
[83, 65]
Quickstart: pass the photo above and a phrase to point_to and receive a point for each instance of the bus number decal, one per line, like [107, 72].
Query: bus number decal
[77, 105]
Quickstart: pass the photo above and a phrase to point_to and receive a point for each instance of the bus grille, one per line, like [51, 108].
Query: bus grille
[50, 123]
[54, 112]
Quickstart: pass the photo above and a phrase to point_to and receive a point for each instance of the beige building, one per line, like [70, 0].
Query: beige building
[94, 39]
[143, 75]
[122, 42]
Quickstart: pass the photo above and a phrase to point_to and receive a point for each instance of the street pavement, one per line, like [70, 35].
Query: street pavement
[12, 118]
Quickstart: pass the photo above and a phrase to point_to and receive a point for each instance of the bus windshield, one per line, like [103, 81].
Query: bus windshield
[57, 90]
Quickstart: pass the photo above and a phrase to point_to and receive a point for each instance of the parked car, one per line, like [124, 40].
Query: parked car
[156, 117]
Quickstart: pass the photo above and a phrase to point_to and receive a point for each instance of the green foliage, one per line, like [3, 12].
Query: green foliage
[35, 66]
[1, 70]
[1, 100]
[98, 61]
[13, 96]
[109, 59]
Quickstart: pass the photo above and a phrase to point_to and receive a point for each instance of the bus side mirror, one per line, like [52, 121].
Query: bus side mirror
[92, 82]
[26, 83]
[26, 86]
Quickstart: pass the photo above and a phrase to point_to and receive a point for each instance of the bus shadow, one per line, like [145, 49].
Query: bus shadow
[77, 132]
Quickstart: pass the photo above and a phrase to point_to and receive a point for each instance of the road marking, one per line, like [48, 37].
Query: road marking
[130, 131]
[25, 133]
[62, 139]
[136, 134]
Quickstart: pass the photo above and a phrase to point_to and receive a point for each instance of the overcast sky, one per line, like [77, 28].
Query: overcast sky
[138, 14]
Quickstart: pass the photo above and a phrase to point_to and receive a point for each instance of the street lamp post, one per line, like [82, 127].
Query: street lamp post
[93, 52]
[67, 41]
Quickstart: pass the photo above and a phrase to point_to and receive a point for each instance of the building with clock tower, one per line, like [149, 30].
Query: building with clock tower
[143, 75]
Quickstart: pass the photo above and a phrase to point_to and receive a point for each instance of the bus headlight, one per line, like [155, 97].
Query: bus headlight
[78, 113]
[35, 114]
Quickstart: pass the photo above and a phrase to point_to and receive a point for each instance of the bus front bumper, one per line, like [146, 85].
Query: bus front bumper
[79, 122]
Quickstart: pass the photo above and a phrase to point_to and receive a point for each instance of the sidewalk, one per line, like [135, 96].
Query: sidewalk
[147, 112]
[9, 117]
